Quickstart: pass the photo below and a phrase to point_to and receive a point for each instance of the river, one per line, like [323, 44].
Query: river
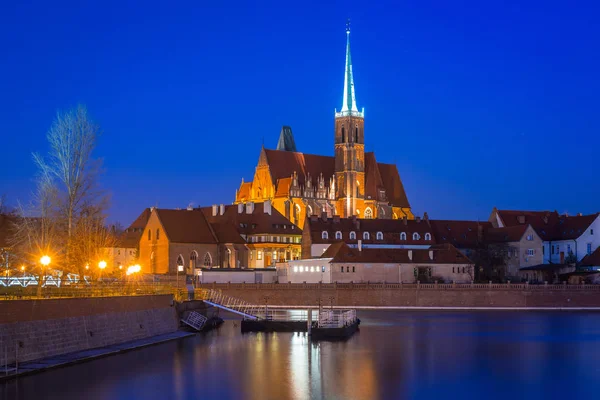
[396, 355]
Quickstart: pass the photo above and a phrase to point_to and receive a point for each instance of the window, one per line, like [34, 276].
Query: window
[180, 261]
[193, 259]
[530, 237]
[207, 260]
[347, 269]
[452, 269]
[591, 231]
[157, 234]
[416, 236]
[324, 235]
[379, 236]
[366, 236]
[356, 134]
[368, 213]
[353, 269]
[342, 270]
[323, 268]
[119, 252]
[338, 235]
[403, 236]
[428, 236]
[259, 255]
[353, 235]
[530, 252]
[557, 250]
[463, 270]
[149, 234]
[343, 135]
[252, 254]
[568, 248]
[589, 248]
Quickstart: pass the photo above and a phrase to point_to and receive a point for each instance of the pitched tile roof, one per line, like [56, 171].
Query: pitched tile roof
[461, 234]
[131, 237]
[282, 164]
[591, 260]
[549, 225]
[442, 254]
[506, 234]
[390, 228]
[186, 226]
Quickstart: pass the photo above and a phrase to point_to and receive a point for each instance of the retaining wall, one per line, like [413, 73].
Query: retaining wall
[413, 295]
[33, 329]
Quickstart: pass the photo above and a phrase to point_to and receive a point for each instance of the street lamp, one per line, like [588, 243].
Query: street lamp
[45, 261]
[179, 269]
[101, 265]
[23, 269]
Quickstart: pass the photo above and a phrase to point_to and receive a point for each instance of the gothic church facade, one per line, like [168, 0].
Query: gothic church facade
[351, 183]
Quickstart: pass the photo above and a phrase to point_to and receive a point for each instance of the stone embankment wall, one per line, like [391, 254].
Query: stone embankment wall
[33, 329]
[397, 295]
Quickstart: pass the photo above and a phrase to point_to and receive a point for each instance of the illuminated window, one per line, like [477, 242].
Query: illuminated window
[324, 235]
[338, 235]
[352, 235]
[312, 269]
[368, 213]
[428, 236]
[403, 236]
[259, 255]
[193, 258]
[296, 269]
[379, 236]
[366, 236]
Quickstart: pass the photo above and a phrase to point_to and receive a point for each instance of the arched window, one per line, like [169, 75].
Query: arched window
[368, 213]
[149, 234]
[356, 134]
[157, 234]
[416, 236]
[343, 135]
[428, 236]
[207, 260]
[324, 235]
[403, 236]
[366, 236]
[352, 235]
[338, 235]
[193, 259]
[309, 210]
[379, 236]
[180, 260]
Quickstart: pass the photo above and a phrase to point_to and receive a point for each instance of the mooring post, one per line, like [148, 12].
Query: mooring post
[309, 321]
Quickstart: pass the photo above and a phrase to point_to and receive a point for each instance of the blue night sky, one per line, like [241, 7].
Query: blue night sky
[479, 103]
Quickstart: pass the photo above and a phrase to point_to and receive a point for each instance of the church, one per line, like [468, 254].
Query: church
[349, 183]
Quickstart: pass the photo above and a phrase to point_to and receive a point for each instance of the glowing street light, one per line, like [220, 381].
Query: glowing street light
[45, 261]
[102, 264]
[179, 269]
[133, 269]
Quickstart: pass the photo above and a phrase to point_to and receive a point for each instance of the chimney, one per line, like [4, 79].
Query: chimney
[425, 216]
[240, 208]
[324, 216]
[579, 214]
[189, 207]
[405, 219]
[418, 219]
[267, 207]
[359, 245]
[221, 209]
[410, 255]
[214, 210]
[521, 219]
[249, 207]
[431, 255]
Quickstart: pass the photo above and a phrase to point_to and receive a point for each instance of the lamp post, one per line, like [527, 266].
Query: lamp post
[101, 265]
[45, 261]
[179, 269]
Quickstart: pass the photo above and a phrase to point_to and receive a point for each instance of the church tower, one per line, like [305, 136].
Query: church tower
[349, 147]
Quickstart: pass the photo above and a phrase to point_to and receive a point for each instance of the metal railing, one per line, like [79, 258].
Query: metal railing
[336, 318]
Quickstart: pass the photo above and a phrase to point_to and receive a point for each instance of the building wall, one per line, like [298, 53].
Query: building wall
[186, 250]
[399, 273]
[154, 253]
[121, 256]
[57, 326]
[578, 246]
[313, 270]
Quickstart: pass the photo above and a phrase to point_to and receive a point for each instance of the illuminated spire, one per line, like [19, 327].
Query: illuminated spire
[349, 99]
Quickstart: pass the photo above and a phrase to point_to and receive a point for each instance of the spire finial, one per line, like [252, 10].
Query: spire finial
[349, 99]
[348, 26]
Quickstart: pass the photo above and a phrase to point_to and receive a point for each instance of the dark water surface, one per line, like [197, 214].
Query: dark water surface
[396, 355]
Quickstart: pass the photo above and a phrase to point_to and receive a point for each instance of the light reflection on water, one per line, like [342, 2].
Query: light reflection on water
[396, 355]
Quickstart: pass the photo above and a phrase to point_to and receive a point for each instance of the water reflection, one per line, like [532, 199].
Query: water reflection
[396, 355]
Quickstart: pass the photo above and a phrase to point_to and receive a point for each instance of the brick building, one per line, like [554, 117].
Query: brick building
[350, 183]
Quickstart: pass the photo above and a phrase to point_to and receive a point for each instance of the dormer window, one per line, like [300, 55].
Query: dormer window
[416, 236]
[428, 236]
[366, 236]
[338, 235]
[324, 235]
[403, 236]
[352, 235]
[379, 236]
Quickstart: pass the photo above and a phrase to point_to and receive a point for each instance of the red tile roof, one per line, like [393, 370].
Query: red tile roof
[461, 234]
[549, 225]
[282, 164]
[391, 229]
[131, 237]
[506, 234]
[591, 260]
[442, 254]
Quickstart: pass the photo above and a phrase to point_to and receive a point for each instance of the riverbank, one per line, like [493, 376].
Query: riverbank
[63, 360]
